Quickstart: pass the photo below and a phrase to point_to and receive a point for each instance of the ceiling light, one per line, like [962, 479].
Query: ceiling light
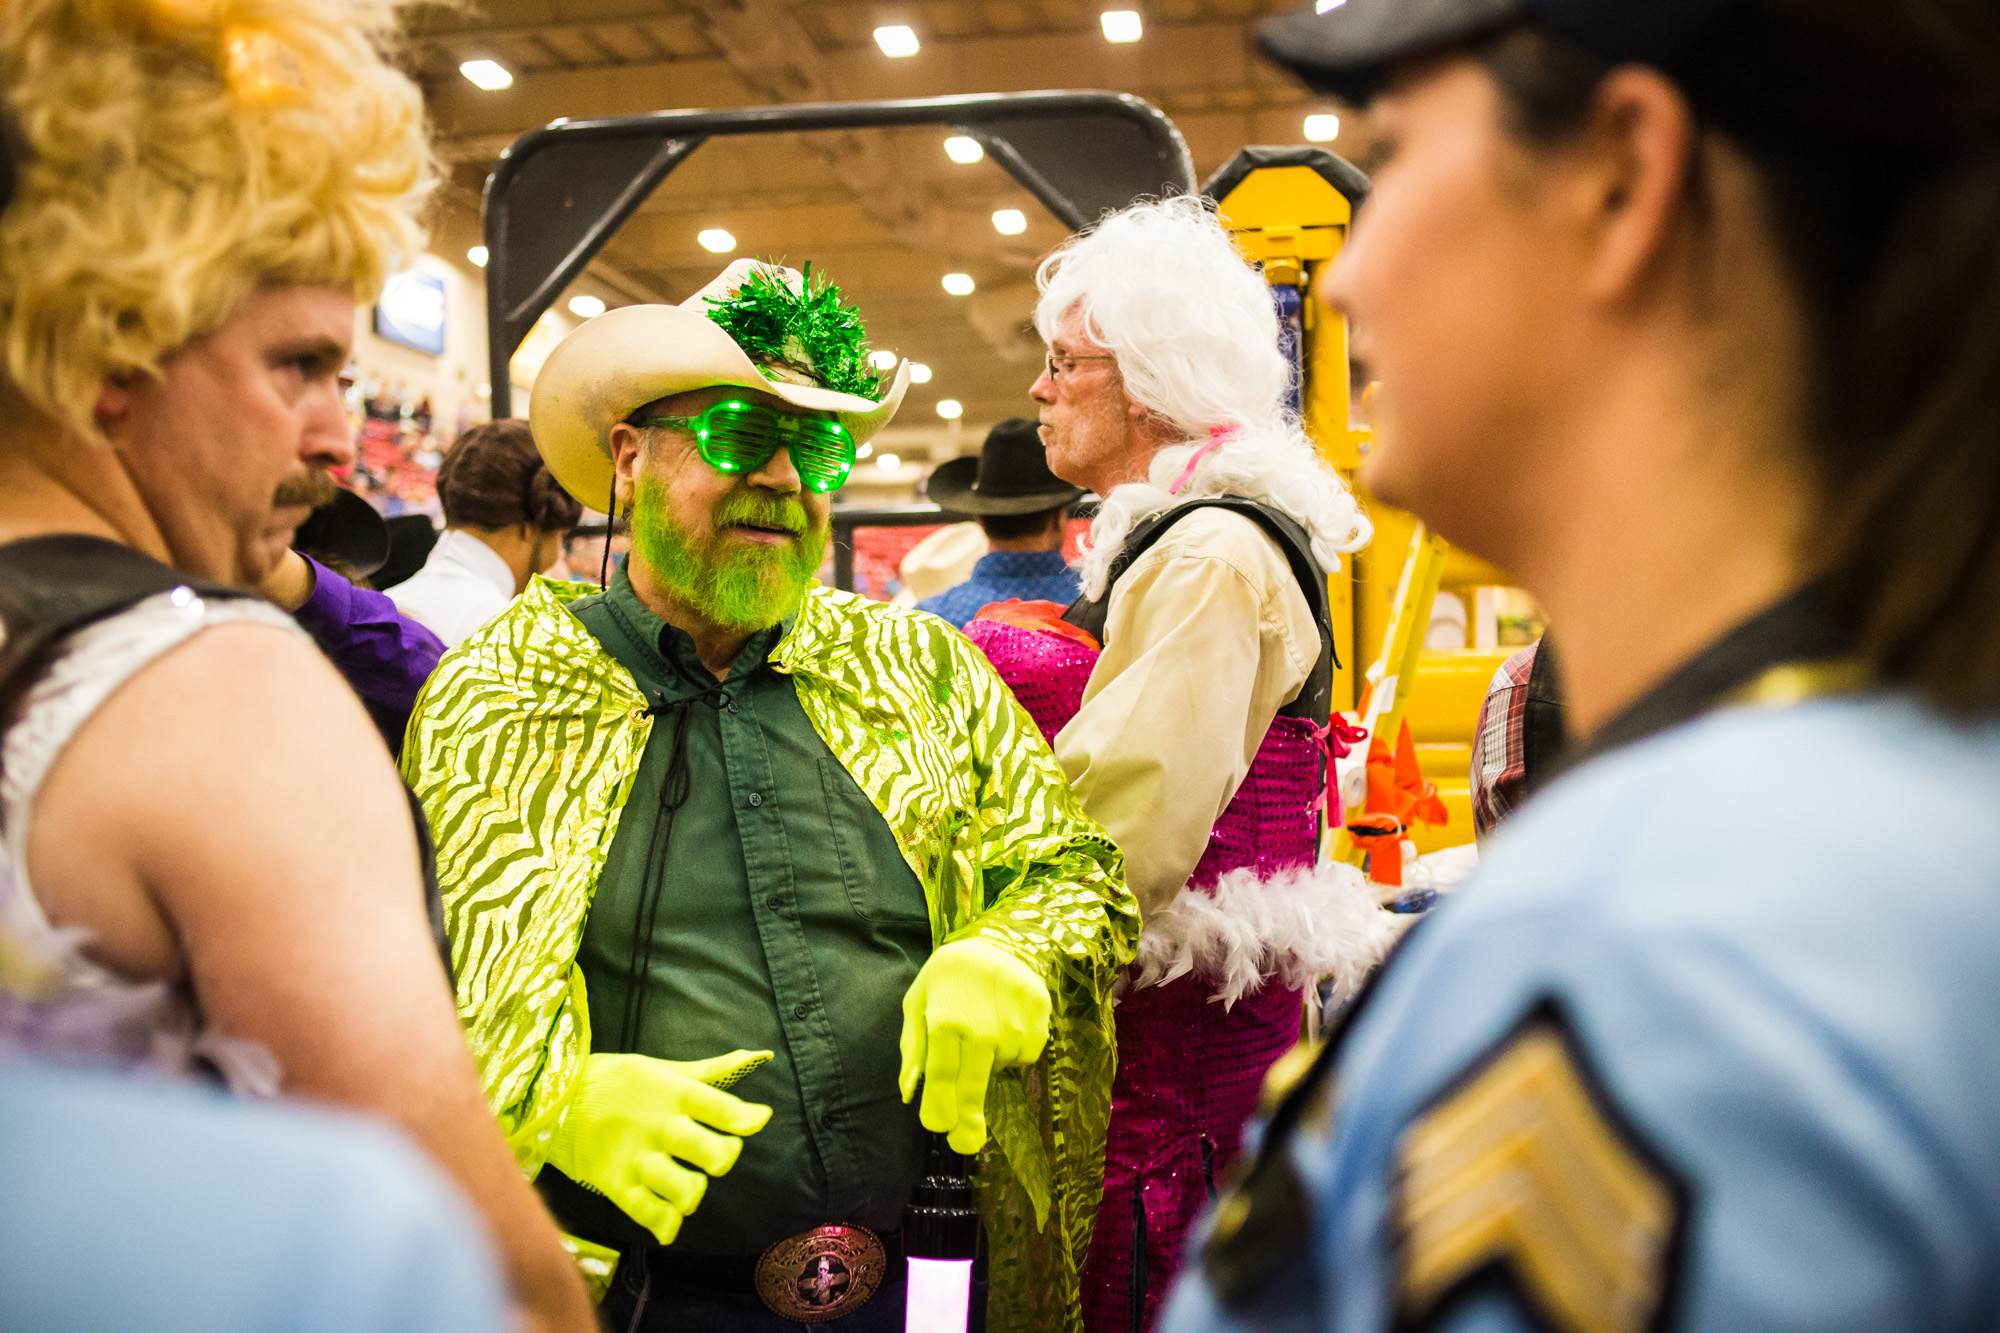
[483, 392]
[717, 240]
[888, 462]
[1322, 127]
[583, 303]
[1121, 25]
[963, 149]
[488, 74]
[1010, 222]
[477, 254]
[919, 373]
[1321, 6]
[958, 284]
[864, 451]
[896, 40]
[949, 409]
[882, 360]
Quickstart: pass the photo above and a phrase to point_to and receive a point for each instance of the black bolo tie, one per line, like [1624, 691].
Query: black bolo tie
[674, 789]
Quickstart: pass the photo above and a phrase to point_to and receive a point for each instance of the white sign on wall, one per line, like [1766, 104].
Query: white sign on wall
[411, 311]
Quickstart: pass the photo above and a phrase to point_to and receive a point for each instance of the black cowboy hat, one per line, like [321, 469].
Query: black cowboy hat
[1010, 476]
[411, 538]
[348, 532]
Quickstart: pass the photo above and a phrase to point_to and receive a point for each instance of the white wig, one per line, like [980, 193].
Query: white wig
[1191, 324]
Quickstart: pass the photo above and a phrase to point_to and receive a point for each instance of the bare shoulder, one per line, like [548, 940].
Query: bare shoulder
[240, 671]
[213, 763]
[240, 721]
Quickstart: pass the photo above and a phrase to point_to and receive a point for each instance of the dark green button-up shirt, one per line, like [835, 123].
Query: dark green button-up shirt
[785, 920]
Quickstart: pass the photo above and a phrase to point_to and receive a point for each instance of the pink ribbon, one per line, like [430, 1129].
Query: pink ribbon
[1216, 435]
[1336, 740]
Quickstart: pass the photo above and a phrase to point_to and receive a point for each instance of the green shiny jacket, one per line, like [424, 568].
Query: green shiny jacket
[524, 746]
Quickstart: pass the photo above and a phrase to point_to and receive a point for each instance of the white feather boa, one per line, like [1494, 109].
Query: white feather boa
[1298, 926]
[1272, 464]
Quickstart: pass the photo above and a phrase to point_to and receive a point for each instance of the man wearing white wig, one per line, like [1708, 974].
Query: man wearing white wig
[1187, 694]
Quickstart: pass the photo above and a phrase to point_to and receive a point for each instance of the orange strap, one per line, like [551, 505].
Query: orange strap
[1381, 837]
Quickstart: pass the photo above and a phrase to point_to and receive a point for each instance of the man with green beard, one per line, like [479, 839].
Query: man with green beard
[718, 826]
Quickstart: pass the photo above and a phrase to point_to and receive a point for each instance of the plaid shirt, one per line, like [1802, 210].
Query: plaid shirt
[1499, 744]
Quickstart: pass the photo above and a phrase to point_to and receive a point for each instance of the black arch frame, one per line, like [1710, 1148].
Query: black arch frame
[561, 192]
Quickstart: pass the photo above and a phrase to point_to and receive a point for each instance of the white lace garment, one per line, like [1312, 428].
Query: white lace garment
[54, 1002]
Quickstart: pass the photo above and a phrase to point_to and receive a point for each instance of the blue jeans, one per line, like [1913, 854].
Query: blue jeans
[635, 1305]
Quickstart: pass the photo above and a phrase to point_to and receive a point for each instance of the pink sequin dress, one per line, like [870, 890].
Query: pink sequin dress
[1189, 1070]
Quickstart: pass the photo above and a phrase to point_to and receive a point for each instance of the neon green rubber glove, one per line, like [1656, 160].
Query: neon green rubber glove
[973, 1008]
[632, 1115]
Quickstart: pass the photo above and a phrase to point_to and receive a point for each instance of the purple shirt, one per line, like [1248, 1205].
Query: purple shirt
[385, 656]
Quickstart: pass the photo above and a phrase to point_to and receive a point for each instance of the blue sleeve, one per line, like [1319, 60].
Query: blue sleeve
[385, 656]
[133, 1205]
[1819, 1186]
[946, 607]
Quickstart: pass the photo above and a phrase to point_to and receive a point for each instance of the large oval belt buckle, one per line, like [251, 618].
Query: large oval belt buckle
[821, 1274]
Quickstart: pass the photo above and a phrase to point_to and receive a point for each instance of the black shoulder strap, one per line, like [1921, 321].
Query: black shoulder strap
[1315, 697]
[1542, 732]
[51, 587]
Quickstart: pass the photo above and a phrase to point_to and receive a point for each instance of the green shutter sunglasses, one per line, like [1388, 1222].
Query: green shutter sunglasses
[734, 436]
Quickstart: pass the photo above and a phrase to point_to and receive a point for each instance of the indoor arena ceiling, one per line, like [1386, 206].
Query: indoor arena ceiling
[885, 213]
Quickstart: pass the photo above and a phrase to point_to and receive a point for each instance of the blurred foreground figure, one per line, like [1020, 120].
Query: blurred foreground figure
[1188, 693]
[1708, 355]
[211, 860]
[135, 1206]
[721, 827]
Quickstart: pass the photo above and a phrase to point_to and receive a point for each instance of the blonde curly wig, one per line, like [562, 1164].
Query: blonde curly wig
[176, 154]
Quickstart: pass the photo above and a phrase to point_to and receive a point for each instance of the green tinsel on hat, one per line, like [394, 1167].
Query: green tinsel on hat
[812, 331]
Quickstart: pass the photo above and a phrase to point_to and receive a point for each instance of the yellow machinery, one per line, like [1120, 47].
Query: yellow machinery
[1289, 210]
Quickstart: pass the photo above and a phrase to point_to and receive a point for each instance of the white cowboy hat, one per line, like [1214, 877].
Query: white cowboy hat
[623, 359]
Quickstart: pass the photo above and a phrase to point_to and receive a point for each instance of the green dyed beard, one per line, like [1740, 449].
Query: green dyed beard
[737, 587]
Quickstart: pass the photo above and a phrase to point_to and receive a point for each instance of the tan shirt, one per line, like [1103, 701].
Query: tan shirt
[1208, 636]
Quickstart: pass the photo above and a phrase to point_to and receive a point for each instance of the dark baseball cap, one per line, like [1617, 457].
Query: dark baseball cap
[1348, 48]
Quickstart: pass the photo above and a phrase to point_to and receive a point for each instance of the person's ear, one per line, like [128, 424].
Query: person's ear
[114, 405]
[1637, 170]
[626, 445]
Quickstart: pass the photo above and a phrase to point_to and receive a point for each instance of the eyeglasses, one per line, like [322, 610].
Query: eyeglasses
[735, 436]
[1060, 366]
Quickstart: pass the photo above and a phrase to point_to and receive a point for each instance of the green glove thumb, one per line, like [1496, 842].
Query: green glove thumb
[726, 1071]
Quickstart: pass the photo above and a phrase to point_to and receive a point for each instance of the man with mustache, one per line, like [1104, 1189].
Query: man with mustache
[204, 194]
[718, 825]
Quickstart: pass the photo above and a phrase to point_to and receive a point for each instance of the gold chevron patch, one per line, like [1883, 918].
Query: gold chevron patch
[1522, 1172]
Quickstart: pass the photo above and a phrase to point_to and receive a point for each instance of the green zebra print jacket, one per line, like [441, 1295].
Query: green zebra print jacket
[524, 746]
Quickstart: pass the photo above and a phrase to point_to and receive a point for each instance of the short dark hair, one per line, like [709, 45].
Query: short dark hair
[1874, 127]
[494, 477]
[1012, 527]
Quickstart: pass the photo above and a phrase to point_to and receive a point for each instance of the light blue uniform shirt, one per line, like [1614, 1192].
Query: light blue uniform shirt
[1775, 935]
[129, 1204]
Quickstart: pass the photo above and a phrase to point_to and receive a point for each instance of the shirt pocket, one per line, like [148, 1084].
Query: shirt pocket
[880, 885]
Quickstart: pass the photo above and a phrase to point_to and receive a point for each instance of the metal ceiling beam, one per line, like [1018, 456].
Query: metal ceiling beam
[836, 14]
[1195, 56]
[560, 193]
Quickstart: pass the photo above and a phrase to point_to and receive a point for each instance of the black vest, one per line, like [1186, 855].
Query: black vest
[1315, 698]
